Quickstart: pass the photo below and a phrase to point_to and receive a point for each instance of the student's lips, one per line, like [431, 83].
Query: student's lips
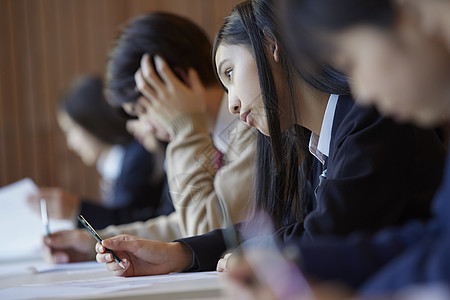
[245, 117]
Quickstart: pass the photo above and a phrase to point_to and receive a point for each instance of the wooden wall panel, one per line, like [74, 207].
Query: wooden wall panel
[44, 45]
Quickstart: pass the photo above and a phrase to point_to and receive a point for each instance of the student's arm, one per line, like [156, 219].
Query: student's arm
[206, 198]
[354, 259]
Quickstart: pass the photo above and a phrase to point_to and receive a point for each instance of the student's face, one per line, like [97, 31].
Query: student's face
[142, 132]
[79, 140]
[237, 71]
[404, 74]
[147, 117]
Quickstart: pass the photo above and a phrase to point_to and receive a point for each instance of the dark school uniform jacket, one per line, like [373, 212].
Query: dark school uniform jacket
[394, 258]
[374, 179]
[144, 198]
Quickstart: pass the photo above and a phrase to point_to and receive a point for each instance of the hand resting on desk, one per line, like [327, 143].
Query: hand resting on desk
[67, 246]
[143, 257]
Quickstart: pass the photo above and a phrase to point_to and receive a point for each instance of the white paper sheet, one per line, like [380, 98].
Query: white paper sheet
[20, 227]
[97, 286]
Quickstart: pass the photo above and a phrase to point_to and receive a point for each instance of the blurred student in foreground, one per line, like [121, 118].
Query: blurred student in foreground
[397, 55]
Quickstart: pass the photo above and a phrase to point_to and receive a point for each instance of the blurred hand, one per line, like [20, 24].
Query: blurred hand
[222, 263]
[143, 257]
[169, 97]
[61, 204]
[246, 279]
[68, 246]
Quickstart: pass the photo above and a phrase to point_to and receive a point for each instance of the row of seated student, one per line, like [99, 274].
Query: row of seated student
[346, 186]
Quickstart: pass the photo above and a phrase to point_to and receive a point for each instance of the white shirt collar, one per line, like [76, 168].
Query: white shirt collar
[319, 145]
[110, 164]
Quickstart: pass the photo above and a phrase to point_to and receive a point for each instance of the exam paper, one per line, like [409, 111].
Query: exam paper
[20, 227]
[100, 286]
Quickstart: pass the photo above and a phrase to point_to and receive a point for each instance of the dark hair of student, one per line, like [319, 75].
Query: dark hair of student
[304, 21]
[277, 176]
[176, 39]
[86, 105]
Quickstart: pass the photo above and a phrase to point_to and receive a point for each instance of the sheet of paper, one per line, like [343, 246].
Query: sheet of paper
[21, 227]
[97, 286]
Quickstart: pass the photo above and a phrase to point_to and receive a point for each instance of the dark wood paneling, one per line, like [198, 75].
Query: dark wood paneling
[44, 45]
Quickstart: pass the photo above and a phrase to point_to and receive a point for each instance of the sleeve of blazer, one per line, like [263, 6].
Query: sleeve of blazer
[208, 248]
[352, 260]
[204, 198]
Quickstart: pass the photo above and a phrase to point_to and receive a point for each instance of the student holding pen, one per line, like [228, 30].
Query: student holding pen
[210, 153]
[348, 182]
[131, 177]
[376, 38]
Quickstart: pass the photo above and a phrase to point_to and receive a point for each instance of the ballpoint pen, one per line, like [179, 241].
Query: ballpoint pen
[44, 216]
[98, 238]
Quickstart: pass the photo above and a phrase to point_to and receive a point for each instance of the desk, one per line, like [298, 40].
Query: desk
[80, 281]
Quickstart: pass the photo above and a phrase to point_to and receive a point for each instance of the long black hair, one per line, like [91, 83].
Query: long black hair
[278, 185]
[305, 22]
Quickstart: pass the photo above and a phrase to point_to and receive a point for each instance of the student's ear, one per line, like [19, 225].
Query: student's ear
[272, 44]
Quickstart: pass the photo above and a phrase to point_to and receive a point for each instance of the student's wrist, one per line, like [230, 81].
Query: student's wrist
[182, 256]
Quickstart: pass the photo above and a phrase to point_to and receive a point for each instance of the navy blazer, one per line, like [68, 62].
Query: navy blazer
[144, 199]
[392, 259]
[374, 179]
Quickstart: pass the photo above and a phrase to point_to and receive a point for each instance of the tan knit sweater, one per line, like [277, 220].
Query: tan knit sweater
[204, 198]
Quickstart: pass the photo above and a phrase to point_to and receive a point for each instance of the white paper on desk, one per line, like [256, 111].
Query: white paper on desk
[91, 287]
[21, 227]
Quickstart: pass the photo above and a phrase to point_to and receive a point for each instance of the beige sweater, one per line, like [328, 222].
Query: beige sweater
[204, 198]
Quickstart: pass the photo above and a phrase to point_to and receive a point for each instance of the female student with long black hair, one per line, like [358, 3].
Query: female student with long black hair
[353, 182]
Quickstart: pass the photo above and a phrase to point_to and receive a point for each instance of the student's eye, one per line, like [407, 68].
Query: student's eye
[228, 73]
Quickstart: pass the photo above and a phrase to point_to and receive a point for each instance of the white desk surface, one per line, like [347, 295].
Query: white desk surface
[32, 279]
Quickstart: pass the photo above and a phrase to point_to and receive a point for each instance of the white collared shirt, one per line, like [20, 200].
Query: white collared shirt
[319, 145]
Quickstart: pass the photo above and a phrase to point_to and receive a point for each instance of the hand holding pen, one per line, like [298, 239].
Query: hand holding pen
[99, 239]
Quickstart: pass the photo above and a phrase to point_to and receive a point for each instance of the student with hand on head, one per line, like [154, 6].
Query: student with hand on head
[402, 45]
[210, 153]
[131, 177]
[348, 182]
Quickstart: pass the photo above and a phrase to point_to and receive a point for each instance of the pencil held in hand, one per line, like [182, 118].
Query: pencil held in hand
[98, 238]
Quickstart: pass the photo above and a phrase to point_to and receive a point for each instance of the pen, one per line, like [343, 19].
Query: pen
[44, 216]
[98, 238]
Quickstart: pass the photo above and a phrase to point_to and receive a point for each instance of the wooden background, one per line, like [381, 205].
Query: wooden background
[44, 44]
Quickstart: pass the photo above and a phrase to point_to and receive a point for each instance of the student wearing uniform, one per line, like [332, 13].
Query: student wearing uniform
[412, 38]
[131, 177]
[349, 184]
[210, 153]
[377, 37]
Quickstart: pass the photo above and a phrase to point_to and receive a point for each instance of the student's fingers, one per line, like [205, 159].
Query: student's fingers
[117, 269]
[103, 257]
[99, 248]
[165, 72]
[146, 90]
[61, 239]
[149, 74]
[196, 83]
[121, 242]
[221, 265]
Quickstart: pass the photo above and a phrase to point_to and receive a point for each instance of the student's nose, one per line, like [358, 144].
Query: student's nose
[234, 104]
